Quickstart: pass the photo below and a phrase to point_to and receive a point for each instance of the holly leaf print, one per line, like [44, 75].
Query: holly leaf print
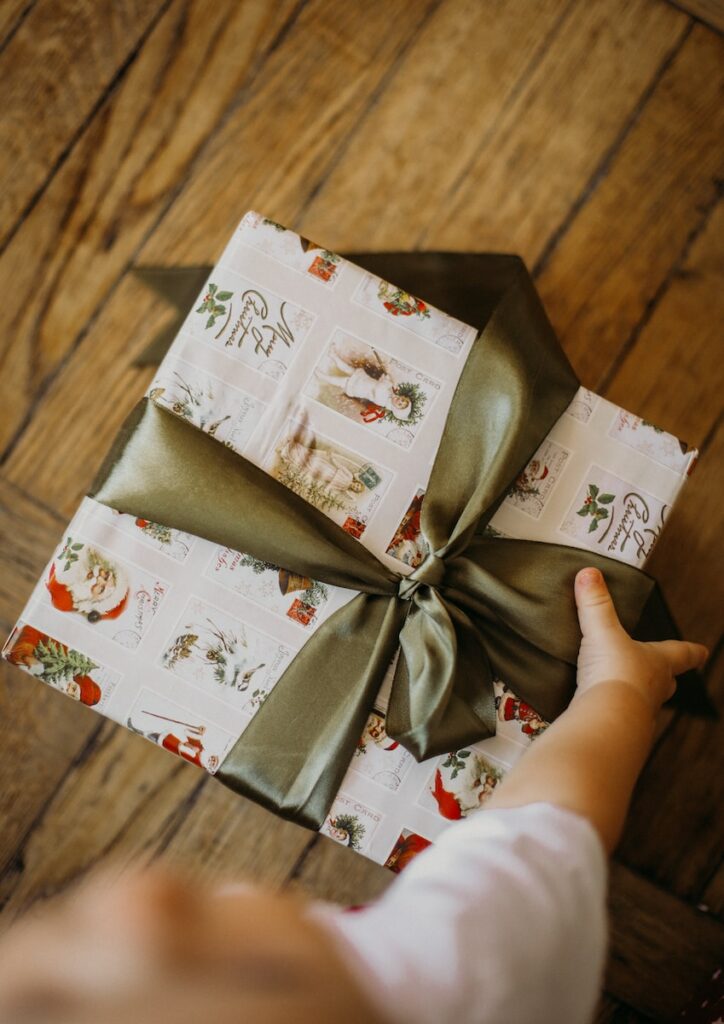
[224, 296]
[593, 525]
[593, 490]
[211, 321]
[212, 289]
[605, 499]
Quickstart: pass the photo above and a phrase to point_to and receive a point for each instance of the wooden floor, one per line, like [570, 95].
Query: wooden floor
[585, 135]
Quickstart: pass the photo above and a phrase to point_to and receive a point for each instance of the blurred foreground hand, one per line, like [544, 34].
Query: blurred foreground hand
[149, 949]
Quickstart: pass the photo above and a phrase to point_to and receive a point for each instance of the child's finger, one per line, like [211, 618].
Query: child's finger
[682, 655]
[595, 607]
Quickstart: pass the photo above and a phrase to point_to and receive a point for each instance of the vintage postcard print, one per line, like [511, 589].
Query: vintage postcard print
[62, 667]
[285, 593]
[175, 544]
[226, 413]
[406, 848]
[290, 249]
[222, 655]
[344, 484]
[179, 730]
[461, 784]
[516, 719]
[371, 388]
[351, 823]
[113, 597]
[533, 486]
[620, 519]
[413, 314]
[251, 324]
[582, 406]
[408, 545]
[380, 758]
[651, 441]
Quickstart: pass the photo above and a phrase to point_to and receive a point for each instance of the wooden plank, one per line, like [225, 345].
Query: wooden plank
[415, 143]
[673, 376]
[674, 371]
[662, 950]
[244, 159]
[547, 144]
[226, 838]
[685, 562]
[711, 12]
[63, 57]
[277, 150]
[337, 874]
[121, 175]
[28, 533]
[44, 733]
[83, 437]
[129, 801]
[41, 731]
[614, 256]
[673, 833]
[11, 13]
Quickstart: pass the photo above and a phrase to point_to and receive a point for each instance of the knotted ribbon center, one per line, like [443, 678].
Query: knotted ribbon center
[429, 573]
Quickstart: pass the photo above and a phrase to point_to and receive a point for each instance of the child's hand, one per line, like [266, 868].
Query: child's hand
[608, 653]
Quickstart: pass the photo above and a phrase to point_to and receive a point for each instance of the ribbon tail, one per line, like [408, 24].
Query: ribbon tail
[442, 694]
[180, 287]
[294, 754]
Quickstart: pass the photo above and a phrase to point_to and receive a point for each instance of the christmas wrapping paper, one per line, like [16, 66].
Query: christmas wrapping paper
[181, 640]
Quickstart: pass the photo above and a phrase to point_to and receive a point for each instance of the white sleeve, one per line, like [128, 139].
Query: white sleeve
[502, 921]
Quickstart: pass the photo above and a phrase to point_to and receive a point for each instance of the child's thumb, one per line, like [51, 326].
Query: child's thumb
[595, 607]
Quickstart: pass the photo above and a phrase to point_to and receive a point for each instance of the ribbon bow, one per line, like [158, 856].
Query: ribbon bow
[476, 609]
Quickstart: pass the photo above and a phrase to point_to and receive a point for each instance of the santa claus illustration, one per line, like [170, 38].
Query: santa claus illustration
[472, 787]
[189, 747]
[184, 739]
[83, 580]
[54, 663]
[376, 732]
[513, 709]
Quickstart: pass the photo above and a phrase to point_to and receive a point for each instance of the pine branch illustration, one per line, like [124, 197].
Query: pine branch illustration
[59, 664]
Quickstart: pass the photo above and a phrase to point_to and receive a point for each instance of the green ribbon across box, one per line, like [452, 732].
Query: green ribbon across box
[457, 477]
[476, 609]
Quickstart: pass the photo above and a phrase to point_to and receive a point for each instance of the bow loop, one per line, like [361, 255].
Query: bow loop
[429, 573]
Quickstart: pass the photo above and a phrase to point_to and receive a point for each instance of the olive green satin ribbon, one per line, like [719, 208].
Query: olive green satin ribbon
[477, 608]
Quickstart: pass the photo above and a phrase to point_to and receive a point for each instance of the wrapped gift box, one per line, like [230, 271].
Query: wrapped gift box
[181, 640]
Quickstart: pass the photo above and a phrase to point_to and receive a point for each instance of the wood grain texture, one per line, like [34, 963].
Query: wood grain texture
[12, 13]
[241, 159]
[679, 340]
[121, 176]
[637, 222]
[673, 834]
[62, 58]
[131, 801]
[537, 161]
[662, 950]
[583, 135]
[711, 12]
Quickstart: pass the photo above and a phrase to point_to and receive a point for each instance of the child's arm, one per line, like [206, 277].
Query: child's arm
[588, 760]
